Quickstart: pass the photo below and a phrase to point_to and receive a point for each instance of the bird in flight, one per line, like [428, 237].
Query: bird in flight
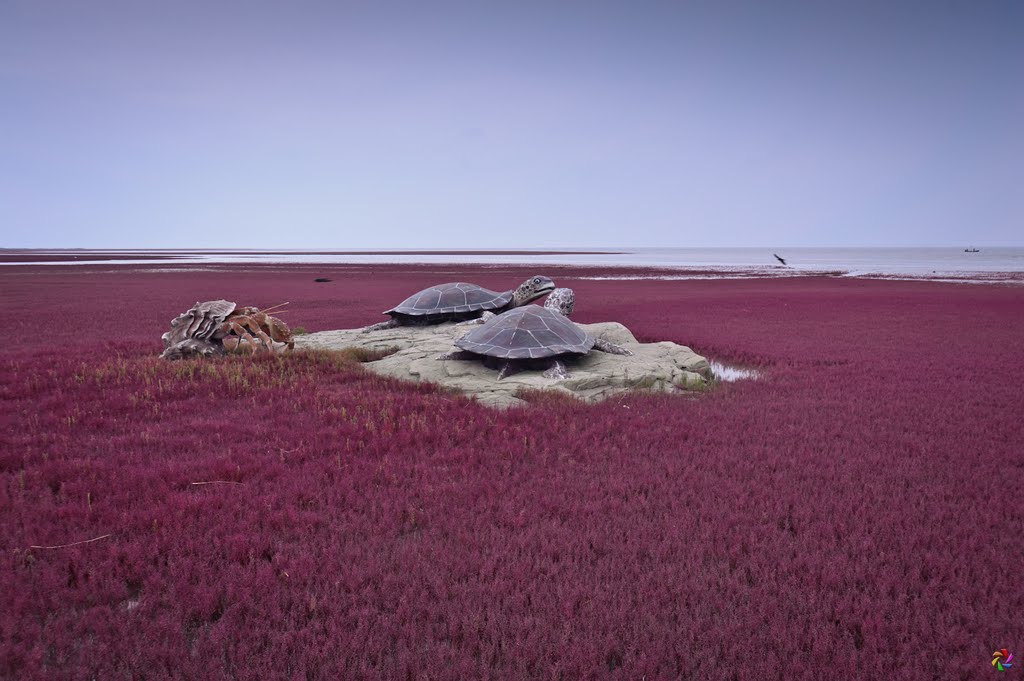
[778, 258]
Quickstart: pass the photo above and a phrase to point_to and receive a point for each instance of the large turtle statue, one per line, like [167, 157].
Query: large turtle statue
[530, 333]
[460, 301]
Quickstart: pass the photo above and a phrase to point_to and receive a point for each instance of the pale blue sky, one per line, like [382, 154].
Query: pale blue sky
[513, 124]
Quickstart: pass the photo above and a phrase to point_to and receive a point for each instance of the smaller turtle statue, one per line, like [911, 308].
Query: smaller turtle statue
[458, 301]
[530, 333]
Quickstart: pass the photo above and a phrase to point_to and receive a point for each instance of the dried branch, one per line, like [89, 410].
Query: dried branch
[76, 543]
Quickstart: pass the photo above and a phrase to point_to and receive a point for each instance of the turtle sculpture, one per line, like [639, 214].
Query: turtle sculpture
[530, 333]
[458, 301]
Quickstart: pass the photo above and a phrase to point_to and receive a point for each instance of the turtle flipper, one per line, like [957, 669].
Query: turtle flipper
[507, 369]
[484, 316]
[557, 371]
[389, 324]
[606, 346]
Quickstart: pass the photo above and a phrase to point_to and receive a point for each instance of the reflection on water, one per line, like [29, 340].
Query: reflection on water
[729, 374]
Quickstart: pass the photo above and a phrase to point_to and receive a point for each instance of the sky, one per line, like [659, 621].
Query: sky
[520, 124]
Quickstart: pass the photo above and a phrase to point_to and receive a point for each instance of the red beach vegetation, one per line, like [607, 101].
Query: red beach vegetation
[854, 513]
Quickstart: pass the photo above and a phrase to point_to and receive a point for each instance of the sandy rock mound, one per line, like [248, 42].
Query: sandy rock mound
[662, 367]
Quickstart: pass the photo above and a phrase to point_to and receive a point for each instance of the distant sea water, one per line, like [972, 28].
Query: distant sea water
[954, 264]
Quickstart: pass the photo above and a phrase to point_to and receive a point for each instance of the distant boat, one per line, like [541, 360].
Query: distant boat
[971, 250]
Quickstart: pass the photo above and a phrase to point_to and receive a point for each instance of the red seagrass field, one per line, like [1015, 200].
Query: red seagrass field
[856, 512]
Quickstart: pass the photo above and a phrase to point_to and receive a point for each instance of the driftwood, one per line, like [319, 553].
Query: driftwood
[201, 331]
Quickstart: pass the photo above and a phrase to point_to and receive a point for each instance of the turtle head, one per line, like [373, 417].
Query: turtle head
[532, 289]
[561, 300]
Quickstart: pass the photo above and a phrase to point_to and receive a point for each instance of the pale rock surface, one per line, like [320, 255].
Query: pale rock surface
[660, 367]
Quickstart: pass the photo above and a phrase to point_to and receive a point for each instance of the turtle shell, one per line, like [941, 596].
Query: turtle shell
[454, 298]
[528, 332]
